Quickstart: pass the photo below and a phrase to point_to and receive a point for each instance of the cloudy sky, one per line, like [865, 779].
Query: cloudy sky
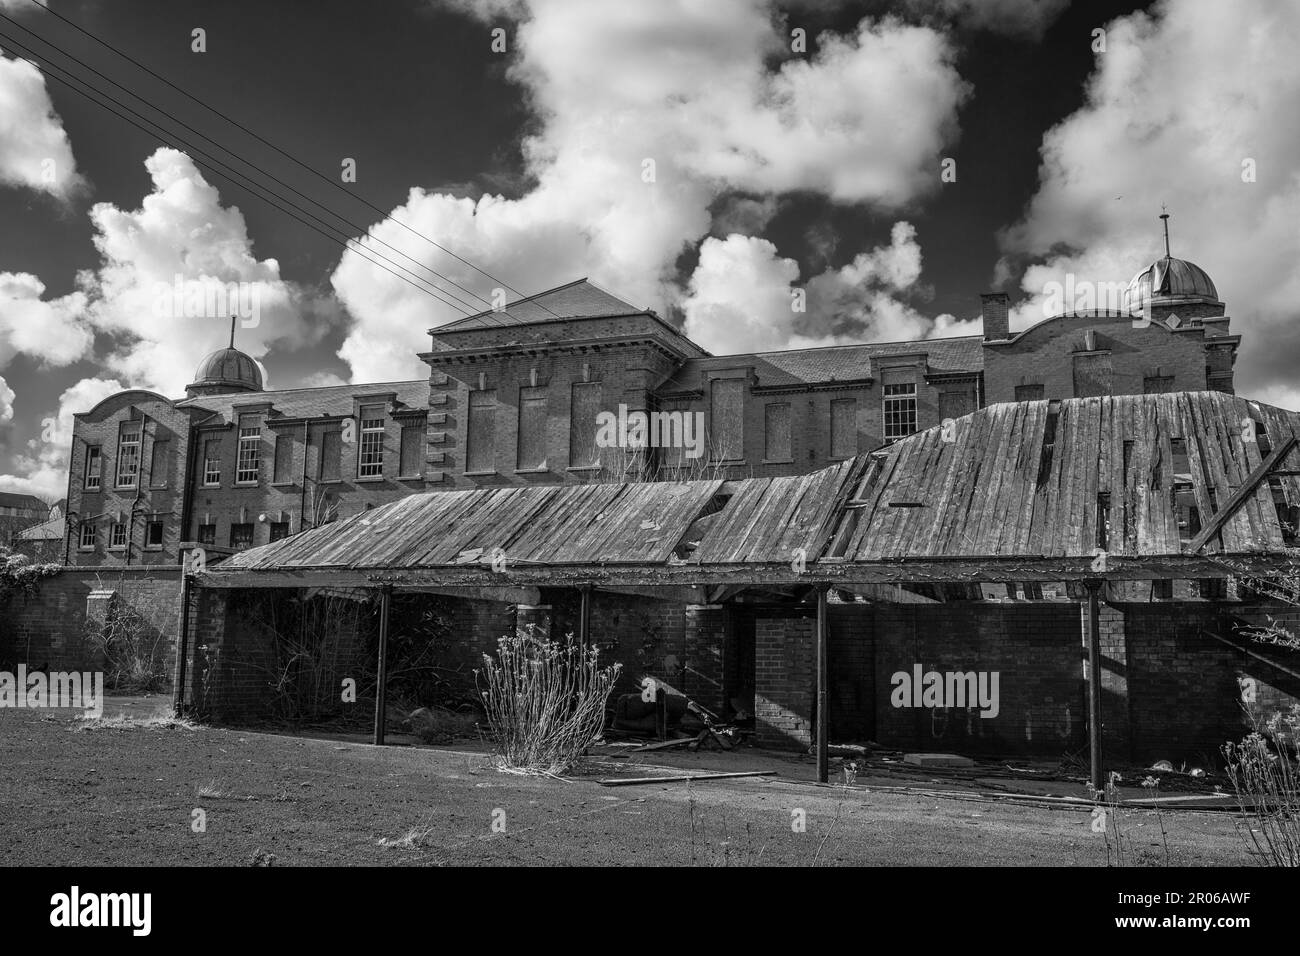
[888, 161]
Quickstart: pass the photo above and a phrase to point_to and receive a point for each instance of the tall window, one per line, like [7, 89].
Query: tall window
[117, 536]
[331, 450]
[900, 410]
[844, 428]
[480, 450]
[531, 452]
[776, 432]
[94, 467]
[727, 419]
[279, 529]
[250, 451]
[207, 534]
[409, 464]
[160, 459]
[583, 408]
[153, 534]
[283, 458]
[370, 459]
[212, 461]
[87, 535]
[128, 455]
[241, 536]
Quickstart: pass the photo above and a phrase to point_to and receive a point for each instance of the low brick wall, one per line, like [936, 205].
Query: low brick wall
[45, 630]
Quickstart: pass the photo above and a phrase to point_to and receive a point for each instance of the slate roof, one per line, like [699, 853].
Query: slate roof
[315, 402]
[578, 299]
[839, 363]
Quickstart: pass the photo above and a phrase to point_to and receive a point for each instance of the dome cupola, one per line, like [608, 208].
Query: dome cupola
[224, 371]
[1169, 283]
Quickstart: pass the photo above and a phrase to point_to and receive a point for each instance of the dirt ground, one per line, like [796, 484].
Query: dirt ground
[137, 795]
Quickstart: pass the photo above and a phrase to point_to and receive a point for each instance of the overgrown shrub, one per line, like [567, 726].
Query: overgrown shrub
[544, 702]
[1265, 775]
[132, 648]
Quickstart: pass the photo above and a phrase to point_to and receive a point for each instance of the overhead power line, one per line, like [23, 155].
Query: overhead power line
[387, 216]
[218, 168]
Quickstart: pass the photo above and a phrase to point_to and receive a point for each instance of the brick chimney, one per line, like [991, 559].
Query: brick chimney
[993, 311]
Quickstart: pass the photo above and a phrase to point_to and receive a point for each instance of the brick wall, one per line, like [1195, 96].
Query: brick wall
[1045, 355]
[784, 680]
[47, 627]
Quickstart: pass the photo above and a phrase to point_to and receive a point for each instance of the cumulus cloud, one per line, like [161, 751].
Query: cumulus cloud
[1028, 18]
[34, 149]
[53, 331]
[7, 397]
[175, 270]
[743, 297]
[43, 469]
[649, 111]
[1217, 145]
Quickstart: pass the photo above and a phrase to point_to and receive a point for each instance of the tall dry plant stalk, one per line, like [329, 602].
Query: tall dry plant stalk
[544, 701]
[1265, 775]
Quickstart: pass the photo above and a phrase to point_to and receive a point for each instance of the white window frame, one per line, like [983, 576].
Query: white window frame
[250, 438]
[211, 466]
[118, 530]
[123, 443]
[93, 482]
[370, 447]
[898, 402]
[86, 540]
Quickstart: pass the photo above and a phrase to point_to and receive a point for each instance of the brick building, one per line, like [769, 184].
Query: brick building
[526, 394]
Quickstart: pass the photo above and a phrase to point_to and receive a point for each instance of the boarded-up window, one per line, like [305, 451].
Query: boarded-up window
[1092, 375]
[283, 457]
[1156, 384]
[411, 463]
[1029, 393]
[776, 432]
[531, 451]
[331, 452]
[955, 404]
[480, 450]
[727, 419]
[583, 451]
[844, 428]
[160, 463]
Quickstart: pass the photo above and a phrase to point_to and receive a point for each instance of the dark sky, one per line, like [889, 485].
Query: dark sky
[413, 92]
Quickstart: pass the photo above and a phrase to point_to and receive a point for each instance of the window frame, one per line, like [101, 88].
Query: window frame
[250, 436]
[122, 445]
[113, 536]
[208, 471]
[94, 453]
[87, 530]
[897, 400]
[367, 431]
[149, 527]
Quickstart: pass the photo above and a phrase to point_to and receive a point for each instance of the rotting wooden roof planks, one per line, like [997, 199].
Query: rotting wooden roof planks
[990, 486]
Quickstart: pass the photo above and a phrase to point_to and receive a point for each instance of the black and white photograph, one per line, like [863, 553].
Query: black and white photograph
[650, 434]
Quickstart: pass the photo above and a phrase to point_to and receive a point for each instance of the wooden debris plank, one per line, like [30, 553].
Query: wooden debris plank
[681, 778]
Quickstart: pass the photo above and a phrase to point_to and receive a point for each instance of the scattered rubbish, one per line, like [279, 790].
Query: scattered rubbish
[681, 778]
[1198, 772]
[1163, 765]
[937, 760]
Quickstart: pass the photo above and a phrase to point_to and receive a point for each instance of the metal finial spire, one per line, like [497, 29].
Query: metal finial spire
[1165, 216]
[232, 331]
